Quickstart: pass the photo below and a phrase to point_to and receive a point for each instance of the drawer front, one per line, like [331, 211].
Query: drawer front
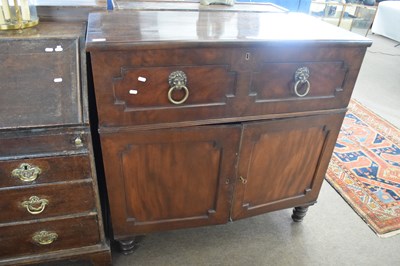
[135, 88]
[28, 172]
[56, 235]
[301, 79]
[15, 144]
[40, 83]
[20, 204]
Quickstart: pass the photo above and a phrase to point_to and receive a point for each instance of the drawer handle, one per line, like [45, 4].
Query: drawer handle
[44, 237]
[177, 80]
[35, 205]
[301, 77]
[26, 172]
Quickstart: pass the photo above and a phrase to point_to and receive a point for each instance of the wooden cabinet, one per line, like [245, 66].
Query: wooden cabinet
[49, 200]
[200, 130]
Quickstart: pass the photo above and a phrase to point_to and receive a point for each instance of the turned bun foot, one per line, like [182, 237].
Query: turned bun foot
[127, 246]
[299, 213]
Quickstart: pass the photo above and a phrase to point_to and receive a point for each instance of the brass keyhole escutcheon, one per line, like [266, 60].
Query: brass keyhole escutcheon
[26, 172]
[243, 180]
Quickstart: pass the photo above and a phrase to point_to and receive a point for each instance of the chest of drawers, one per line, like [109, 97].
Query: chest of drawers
[214, 116]
[49, 200]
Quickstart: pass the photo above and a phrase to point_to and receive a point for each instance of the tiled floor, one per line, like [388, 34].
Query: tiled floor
[331, 233]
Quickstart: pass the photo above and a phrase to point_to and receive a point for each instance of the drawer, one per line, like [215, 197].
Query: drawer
[300, 79]
[41, 237]
[20, 204]
[44, 170]
[52, 99]
[43, 142]
[140, 87]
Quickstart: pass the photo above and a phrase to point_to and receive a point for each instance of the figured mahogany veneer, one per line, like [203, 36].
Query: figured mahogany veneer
[267, 93]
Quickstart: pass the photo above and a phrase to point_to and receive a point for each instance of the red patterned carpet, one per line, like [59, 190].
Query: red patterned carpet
[365, 169]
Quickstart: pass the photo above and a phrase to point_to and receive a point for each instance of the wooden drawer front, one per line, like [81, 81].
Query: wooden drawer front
[44, 170]
[132, 87]
[43, 142]
[40, 83]
[207, 85]
[329, 73]
[19, 204]
[71, 233]
[276, 81]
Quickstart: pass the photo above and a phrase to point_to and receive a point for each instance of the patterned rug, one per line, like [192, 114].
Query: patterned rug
[365, 169]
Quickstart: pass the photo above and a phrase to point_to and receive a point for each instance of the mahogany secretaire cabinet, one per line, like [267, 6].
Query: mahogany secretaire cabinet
[207, 117]
[49, 201]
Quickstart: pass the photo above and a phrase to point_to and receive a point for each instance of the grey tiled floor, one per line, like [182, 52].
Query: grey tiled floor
[331, 233]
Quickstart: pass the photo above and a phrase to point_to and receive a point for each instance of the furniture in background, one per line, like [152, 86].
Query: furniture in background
[50, 209]
[202, 125]
[387, 20]
[193, 6]
[292, 5]
[255, 5]
[357, 18]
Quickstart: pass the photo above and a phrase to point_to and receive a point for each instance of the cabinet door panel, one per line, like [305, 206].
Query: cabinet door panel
[282, 163]
[167, 179]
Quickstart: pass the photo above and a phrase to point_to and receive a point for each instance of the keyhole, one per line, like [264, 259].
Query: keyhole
[25, 167]
[247, 56]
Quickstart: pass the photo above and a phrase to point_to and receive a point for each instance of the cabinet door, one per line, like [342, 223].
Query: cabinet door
[169, 179]
[282, 163]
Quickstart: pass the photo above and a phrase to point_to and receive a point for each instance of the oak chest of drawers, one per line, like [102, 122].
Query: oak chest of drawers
[49, 201]
[207, 117]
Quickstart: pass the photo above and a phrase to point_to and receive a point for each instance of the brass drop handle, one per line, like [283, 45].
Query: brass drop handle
[44, 237]
[177, 80]
[35, 205]
[26, 172]
[301, 77]
[244, 180]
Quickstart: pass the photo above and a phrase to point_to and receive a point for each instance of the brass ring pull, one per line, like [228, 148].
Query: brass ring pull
[44, 237]
[180, 101]
[301, 77]
[35, 205]
[307, 89]
[26, 172]
[177, 81]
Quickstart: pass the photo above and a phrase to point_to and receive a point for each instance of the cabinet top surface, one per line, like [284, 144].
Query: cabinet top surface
[47, 30]
[170, 29]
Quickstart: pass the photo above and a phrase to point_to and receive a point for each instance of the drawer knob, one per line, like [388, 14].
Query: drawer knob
[177, 80]
[78, 142]
[301, 78]
[44, 237]
[26, 172]
[35, 205]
